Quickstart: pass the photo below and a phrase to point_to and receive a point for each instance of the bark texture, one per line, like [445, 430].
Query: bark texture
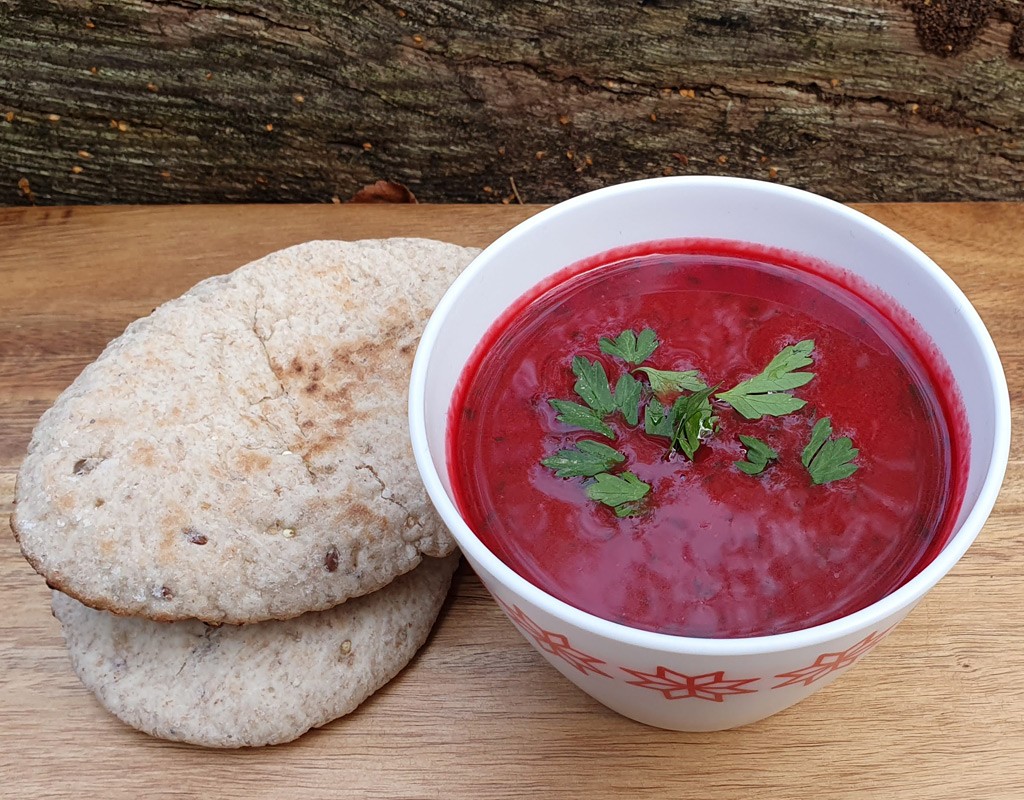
[166, 101]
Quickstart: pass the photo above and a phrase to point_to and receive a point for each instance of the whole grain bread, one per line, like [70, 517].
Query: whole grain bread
[252, 685]
[242, 453]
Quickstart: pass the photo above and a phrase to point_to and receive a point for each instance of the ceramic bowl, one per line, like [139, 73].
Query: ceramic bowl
[680, 682]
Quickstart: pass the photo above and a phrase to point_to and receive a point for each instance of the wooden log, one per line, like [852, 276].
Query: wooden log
[159, 101]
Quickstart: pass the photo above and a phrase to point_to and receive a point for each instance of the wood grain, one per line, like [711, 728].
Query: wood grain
[305, 100]
[937, 711]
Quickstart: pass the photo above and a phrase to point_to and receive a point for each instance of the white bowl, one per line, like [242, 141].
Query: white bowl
[680, 682]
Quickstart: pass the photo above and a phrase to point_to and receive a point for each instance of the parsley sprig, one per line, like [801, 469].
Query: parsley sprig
[766, 394]
[584, 460]
[627, 397]
[687, 424]
[629, 347]
[666, 381]
[592, 385]
[693, 421]
[758, 455]
[576, 416]
[621, 492]
[828, 459]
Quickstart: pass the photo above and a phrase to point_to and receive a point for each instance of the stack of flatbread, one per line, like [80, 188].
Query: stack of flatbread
[226, 505]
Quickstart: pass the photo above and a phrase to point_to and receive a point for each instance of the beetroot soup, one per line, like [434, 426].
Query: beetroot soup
[721, 443]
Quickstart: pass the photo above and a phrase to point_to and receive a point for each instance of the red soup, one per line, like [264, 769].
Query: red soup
[597, 465]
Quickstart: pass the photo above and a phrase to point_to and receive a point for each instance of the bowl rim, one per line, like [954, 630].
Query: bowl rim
[901, 599]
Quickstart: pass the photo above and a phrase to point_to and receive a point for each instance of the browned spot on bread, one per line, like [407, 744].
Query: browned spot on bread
[331, 560]
[352, 362]
[144, 454]
[106, 547]
[311, 370]
[312, 387]
[322, 444]
[251, 462]
[341, 396]
[366, 517]
[171, 525]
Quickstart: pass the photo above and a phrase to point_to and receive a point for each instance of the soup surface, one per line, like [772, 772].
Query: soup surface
[709, 550]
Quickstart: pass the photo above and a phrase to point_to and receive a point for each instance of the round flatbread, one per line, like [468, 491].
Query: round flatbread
[252, 685]
[242, 453]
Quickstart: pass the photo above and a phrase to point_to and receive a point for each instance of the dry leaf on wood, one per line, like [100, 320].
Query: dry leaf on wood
[384, 192]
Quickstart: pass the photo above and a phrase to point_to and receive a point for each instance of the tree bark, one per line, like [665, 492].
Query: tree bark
[167, 101]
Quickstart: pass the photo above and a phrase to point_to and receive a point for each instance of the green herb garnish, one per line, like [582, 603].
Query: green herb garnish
[577, 416]
[821, 431]
[585, 460]
[828, 459]
[766, 394]
[688, 423]
[592, 385]
[758, 455]
[693, 421]
[665, 381]
[627, 397]
[621, 492]
[656, 421]
[630, 347]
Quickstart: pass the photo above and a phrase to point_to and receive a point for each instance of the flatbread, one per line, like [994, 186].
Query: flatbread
[252, 685]
[242, 453]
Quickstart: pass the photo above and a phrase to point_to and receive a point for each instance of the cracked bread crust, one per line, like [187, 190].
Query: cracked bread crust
[252, 685]
[242, 453]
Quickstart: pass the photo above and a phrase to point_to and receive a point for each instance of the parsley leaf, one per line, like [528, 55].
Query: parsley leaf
[577, 416]
[821, 431]
[621, 492]
[592, 385]
[585, 460]
[665, 381]
[627, 397]
[828, 459]
[693, 421]
[765, 394]
[630, 347]
[758, 455]
[656, 421]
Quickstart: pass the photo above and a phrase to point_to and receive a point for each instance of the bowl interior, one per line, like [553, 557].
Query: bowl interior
[717, 208]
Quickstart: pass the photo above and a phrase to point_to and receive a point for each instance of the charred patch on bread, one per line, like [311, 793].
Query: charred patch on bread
[331, 560]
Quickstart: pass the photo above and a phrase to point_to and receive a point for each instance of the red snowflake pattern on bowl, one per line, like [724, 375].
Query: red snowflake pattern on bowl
[674, 685]
[827, 663]
[556, 644]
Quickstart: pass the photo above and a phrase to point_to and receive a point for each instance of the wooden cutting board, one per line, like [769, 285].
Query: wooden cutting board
[936, 711]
